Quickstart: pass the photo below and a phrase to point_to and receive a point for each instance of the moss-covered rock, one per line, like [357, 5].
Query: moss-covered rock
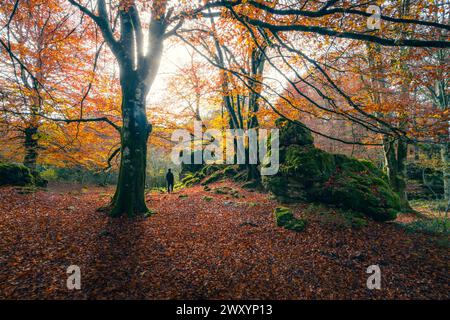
[216, 176]
[311, 174]
[252, 184]
[191, 179]
[360, 188]
[191, 168]
[231, 170]
[293, 134]
[209, 169]
[214, 173]
[284, 218]
[15, 175]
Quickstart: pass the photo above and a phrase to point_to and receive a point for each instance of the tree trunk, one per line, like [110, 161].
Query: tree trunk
[445, 156]
[390, 160]
[402, 154]
[258, 60]
[138, 70]
[253, 173]
[31, 148]
[395, 163]
[130, 193]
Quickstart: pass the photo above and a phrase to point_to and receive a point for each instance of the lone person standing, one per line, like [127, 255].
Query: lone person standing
[169, 179]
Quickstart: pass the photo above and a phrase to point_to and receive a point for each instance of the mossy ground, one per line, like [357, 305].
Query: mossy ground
[284, 218]
[336, 217]
[209, 174]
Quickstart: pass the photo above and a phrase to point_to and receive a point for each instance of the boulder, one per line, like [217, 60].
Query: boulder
[284, 218]
[15, 175]
[293, 134]
[310, 174]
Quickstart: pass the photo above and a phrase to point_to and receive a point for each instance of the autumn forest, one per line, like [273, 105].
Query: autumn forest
[224, 149]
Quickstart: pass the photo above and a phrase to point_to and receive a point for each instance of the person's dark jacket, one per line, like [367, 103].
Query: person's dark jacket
[169, 177]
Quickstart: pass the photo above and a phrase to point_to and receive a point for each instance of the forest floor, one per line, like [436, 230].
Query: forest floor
[204, 245]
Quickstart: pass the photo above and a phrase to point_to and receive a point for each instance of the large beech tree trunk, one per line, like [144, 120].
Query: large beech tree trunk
[129, 197]
[138, 70]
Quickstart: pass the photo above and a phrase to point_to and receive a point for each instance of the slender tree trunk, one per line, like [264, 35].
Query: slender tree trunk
[445, 156]
[402, 154]
[258, 60]
[390, 160]
[395, 154]
[130, 193]
[31, 148]
[416, 153]
[394, 150]
[402, 145]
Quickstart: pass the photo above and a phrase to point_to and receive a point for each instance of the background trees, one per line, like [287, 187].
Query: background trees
[251, 62]
[50, 83]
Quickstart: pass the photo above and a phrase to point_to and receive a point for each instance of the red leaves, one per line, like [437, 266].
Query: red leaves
[223, 248]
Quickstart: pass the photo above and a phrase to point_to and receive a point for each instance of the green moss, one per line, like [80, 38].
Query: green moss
[187, 177]
[209, 169]
[191, 178]
[296, 225]
[253, 184]
[335, 216]
[432, 205]
[358, 223]
[311, 174]
[291, 133]
[230, 171]
[38, 180]
[362, 192]
[250, 204]
[208, 199]
[275, 184]
[240, 176]
[191, 181]
[178, 185]
[308, 163]
[436, 226]
[221, 190]
[49, 174]
[15, 175]
[284, 218]
[216, 176]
